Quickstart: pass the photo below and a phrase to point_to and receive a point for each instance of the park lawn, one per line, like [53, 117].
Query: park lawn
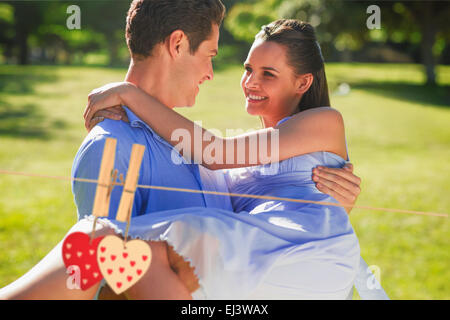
[398, 136]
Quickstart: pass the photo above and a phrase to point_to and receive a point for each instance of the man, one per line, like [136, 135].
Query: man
[172, 44]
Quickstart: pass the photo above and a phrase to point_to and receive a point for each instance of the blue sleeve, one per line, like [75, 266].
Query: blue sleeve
[87, 165]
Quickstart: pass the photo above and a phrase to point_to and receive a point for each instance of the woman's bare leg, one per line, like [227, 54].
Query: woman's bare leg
[48, 279]
[160, 282]
[183, 269]
[106, 293]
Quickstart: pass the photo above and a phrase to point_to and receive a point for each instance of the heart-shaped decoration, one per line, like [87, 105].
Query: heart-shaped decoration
[123, 265]
[79, 251]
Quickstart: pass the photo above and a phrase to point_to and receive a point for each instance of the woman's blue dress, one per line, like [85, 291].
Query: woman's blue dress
[266, 249]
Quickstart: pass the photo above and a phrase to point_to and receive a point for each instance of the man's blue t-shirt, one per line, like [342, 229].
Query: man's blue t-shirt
[158, 169]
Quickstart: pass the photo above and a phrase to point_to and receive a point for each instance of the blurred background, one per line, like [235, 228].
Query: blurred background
[389, 75]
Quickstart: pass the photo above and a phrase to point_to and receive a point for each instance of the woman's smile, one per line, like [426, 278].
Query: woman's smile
[255, 98]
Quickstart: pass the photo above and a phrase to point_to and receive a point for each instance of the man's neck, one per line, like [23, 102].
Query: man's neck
[150, 76]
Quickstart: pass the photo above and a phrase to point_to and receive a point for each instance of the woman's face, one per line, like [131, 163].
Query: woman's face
[269, 83]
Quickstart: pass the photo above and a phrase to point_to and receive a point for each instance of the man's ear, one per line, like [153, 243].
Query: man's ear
[176, 43]
[304, 82]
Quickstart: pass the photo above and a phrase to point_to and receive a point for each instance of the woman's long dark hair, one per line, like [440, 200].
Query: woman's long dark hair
[303, 55]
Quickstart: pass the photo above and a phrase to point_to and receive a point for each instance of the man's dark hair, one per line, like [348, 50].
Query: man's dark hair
[150, 22]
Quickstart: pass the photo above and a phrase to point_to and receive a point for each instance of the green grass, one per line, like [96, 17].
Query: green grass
[398, 136]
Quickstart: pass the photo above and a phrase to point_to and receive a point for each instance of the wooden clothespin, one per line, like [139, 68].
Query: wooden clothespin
[106, 179]
[131, 180]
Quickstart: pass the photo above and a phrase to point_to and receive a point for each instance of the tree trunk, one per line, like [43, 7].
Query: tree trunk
[20, 18]
[429, 31]
[22, 43]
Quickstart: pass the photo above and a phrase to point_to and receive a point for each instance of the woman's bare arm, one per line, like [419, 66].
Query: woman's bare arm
[342, 184]
[319, 129]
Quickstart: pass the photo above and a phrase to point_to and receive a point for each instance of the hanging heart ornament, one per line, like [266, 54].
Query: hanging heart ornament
[79, 251]
[122, 264]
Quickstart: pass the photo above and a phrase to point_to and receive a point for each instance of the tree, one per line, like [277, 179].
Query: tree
[27, 17]
[342, 23]
[426, 18]
[108, 18]
[42, 24]
[6, 29]
[57, 42]
[432, 19]
[246, 18]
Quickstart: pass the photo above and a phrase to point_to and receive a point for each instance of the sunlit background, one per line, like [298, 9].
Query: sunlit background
[392, 86]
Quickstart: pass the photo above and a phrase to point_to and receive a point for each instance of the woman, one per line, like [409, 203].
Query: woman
[260, 252]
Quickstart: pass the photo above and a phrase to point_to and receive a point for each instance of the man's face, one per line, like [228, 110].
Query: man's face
[195, 68]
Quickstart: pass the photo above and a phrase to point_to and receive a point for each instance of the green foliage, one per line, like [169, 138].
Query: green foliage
[6, 13]
[6, 23]
[230, 54]
[400, 19]
[341, 24]
[330, 17]
[244, 20]
[41, 25]
[53, 32]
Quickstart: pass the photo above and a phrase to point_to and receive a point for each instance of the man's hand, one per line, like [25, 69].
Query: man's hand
[341, 184]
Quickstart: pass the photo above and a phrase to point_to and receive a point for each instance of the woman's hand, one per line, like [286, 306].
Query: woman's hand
[114, 113]
[106, 97]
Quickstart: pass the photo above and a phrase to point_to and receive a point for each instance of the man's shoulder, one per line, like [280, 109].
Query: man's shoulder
[87, 162]
[116, 129]
[120, 130]
[123, 132]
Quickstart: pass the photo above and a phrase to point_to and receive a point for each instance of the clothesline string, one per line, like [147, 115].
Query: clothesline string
[435, 214]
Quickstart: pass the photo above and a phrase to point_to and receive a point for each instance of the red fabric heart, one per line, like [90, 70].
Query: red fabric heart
[79, 251]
